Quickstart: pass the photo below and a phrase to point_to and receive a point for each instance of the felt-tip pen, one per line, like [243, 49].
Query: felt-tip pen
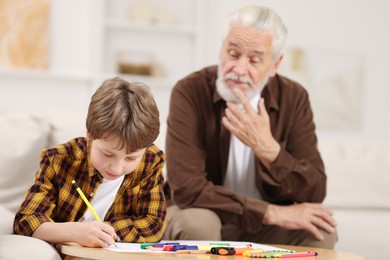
[229, 250]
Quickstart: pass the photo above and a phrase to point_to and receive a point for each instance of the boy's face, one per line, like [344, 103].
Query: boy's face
[112, 162]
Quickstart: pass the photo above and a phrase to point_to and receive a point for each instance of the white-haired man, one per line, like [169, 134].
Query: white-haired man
[242, 158]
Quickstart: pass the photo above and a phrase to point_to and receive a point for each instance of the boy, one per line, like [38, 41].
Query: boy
[117, 167]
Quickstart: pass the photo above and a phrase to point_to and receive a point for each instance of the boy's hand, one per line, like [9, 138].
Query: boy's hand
[88, 233]
[94, 234]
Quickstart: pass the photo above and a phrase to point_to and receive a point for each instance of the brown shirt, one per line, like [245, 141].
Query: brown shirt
[197, 148]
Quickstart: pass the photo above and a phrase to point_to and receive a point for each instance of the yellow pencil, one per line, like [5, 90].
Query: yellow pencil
[87, 202]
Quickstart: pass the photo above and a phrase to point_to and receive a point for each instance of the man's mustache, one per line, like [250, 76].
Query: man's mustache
[241, 79]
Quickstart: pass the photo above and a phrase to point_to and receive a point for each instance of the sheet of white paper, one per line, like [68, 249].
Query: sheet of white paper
[136, 247]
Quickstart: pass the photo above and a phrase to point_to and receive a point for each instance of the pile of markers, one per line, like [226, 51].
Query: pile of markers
[224, 249]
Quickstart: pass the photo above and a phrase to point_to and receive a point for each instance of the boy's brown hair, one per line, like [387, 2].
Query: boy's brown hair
[125, 110]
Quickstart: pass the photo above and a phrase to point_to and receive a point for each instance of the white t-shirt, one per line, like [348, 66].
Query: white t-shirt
[103, 199]
[240, 172]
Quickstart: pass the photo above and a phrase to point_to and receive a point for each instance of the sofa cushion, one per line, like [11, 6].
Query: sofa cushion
[65, 126]
[22, 139]
[6, 220]
[364, 232]
[358, 173]
[23, 247]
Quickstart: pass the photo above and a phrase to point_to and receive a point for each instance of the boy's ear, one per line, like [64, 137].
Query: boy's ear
[88, 135]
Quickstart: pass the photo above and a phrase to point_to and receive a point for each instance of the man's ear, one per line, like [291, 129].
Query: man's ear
[275, 66]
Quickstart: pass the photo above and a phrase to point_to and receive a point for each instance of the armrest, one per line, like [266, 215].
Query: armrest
[6, 221]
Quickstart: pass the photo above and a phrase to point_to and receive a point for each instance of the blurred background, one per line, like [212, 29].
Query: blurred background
[54, 54]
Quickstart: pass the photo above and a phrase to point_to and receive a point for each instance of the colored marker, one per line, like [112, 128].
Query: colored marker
[205, 247]
[168, 247]
[219, 244]
[249, 252]
[183, 247]
[160, 246]
[192, 252]
[229, 250]
[146, 245]
[163, 244]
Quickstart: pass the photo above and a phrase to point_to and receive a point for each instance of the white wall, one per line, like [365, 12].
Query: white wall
[67, 85]
[71, 36]
[357, 26]
[353, 26]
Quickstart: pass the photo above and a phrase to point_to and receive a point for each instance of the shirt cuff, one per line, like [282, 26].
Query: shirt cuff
[254, 210]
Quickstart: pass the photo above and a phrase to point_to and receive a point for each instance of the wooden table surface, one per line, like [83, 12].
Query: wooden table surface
[73, 252]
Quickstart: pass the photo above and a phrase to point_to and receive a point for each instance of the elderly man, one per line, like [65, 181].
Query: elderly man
[242, 156]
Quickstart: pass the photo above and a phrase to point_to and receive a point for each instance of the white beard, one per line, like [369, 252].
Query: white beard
[228, 95]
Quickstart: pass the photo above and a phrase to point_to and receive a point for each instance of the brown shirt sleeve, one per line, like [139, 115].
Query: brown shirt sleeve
[298, 173]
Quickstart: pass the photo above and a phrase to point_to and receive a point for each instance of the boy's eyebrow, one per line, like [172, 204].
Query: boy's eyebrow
[135, 155]
[105, 150]
[108, 151]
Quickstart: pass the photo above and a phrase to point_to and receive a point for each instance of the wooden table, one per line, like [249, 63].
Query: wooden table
[73, 252]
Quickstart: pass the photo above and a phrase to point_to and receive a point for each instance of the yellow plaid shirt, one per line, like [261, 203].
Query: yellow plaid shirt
[139, 208]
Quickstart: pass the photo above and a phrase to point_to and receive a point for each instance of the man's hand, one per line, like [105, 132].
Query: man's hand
[252, 128]
[305, 216]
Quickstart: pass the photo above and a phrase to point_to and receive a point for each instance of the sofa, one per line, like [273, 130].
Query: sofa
[358, 190]
[358, 177]
[22, 139]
